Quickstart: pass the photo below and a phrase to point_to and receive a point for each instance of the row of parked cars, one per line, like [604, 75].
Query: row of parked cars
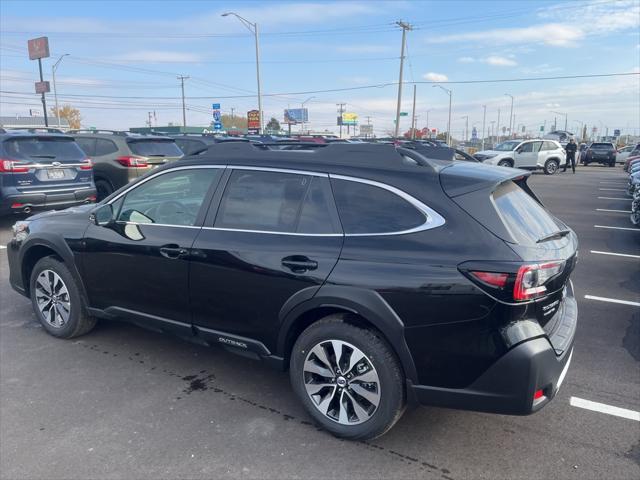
[632, 166]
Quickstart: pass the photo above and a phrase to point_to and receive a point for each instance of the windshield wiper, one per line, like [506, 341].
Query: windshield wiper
[554, 236]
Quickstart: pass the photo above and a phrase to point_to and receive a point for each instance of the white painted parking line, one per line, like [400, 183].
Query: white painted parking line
[3, 247]
[612, 300]
[615, 254]
[612, 211]
[604, 408]
[618, 228]
[614, 198]
[613, 189]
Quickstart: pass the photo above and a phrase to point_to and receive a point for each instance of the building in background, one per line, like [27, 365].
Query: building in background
[30, 122]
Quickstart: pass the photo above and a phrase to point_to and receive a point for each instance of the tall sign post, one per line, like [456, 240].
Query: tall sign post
[217, 118]
[39, 49]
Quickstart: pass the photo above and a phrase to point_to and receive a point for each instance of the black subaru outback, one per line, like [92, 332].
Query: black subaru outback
[376, 276]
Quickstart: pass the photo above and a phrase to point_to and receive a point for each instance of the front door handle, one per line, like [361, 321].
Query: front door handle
[173, 251]
[299, 263]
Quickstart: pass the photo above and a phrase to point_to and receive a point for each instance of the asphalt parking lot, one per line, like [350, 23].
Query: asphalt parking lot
[123, 402]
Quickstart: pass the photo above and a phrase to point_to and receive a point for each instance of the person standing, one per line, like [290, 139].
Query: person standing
[571, 155]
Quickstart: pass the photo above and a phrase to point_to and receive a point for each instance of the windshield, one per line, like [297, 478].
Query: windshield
[155, 148]
[44, 149]
[525, 218]
[506, 146]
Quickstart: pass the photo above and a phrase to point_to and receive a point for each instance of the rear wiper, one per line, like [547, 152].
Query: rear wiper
[554, 236]
[43, 156]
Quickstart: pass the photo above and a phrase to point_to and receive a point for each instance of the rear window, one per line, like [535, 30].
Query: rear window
[525, 218]
[155, 148]
[602, 145]
[44, 148]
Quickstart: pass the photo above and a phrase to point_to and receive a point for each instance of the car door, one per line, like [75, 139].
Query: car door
[137, 266]
[274, 240]
[526, 155]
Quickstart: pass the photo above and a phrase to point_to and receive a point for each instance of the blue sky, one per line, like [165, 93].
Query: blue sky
[124, 58]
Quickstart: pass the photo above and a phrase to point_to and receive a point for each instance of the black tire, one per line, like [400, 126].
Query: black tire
[551, 166]
[390, 377]
[78, 321]
[103, 189]
[505, 163]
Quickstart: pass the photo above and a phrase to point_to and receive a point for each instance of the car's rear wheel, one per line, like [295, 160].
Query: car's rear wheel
[56, 300]
[551, 166]
[103, 189]
[505, 163]
[348, 379]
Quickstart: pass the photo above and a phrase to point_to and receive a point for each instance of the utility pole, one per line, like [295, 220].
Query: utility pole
[44, 101]
[405, 27]
[341, 107]
[149, 119]
[232, 117]
[466, 127]
[498, 128]
[493, 129]
[428, 127]
[484, 118]
[448, 92]
[55, 91]
[182, 78]
[511, 122]
[413, 115]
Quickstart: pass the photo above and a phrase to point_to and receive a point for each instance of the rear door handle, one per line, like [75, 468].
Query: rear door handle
[299, 263]
[173, 251]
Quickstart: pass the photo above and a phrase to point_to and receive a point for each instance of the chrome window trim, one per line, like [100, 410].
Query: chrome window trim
[142, 224]
[269, 232]
[432, 218]
[142, 182]
[279, 170]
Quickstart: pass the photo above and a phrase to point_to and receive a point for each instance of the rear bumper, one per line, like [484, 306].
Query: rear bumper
[21, 202]
[509, 385]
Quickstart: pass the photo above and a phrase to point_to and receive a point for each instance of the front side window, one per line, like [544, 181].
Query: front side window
[173, 198]
[529, 147]
[369, 209]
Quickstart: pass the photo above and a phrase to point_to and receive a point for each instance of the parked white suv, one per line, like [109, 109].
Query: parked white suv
[529, 154]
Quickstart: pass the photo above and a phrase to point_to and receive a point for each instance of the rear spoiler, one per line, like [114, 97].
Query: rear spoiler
[466, 177]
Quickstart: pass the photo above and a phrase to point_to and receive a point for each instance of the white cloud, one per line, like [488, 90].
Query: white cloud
[556, 34]
[435, 77]
[597, 16]
[499, 61]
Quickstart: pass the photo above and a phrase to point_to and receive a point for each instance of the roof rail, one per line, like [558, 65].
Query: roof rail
[88, 130]
[36, 129]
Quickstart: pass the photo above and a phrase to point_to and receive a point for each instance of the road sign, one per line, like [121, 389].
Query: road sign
[253, 119]
[366, 129]
[38, 48]
[349, 118]
[42, 87]
[215, 106]
[404, 114]
[217, 125]
[216, 116]
[616, 132]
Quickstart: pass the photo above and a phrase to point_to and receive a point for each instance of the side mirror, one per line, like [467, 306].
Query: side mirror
[103, 215]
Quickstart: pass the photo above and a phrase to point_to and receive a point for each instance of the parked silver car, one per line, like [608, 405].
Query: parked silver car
[529, 154]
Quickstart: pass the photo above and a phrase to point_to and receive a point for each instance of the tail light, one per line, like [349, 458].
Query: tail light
[9, 166]
[131, 161]
[523, 283]
[86, 164]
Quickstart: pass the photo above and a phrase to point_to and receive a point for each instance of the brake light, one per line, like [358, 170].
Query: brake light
[9, 166]
[538, 394]
[531, 279]
[87, 164]
[131, 161]
[497, 280]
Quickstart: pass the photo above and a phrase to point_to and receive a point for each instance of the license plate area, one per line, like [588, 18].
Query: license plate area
[55, 174]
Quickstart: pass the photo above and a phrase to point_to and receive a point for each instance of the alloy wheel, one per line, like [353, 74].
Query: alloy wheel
[52, 298]
[341, 382]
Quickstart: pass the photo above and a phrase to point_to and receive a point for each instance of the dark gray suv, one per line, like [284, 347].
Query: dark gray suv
[120, 157]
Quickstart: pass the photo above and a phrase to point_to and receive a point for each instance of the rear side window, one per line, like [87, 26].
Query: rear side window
[525, 218]
[88, 145]
[188, 146]
[105, 147]
[155, 148]
[368, 209]
[264, 201]
[44, 148]
[549, 146]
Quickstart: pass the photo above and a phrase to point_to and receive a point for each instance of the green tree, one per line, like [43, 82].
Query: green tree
[273, 125]
[71, 114]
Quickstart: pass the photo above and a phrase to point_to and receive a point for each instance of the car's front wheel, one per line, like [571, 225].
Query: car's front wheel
[348, 379]
[551, 166]
[56, 300]
[505, 163]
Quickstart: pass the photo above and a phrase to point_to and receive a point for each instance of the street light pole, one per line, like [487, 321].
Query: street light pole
[449, 92]
[498, 128]
[55, 92]
[405, 27]
[413, 115]
[510, 116]
[310, 98]
[182, 78]
[466, 127]
[428, 127]
[253, 28]
[484, 118]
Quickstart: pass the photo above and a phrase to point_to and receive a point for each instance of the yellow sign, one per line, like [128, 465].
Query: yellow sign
[349, 118]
